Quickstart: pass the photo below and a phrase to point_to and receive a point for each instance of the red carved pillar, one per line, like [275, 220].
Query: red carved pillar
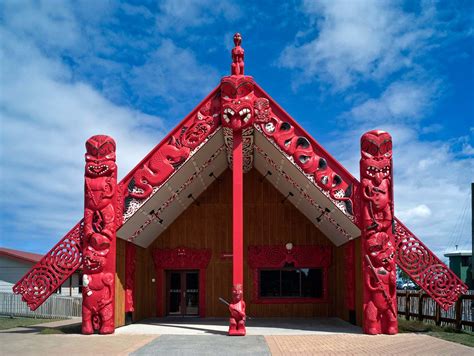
[376, 219]
[98, 244]
[130, 251]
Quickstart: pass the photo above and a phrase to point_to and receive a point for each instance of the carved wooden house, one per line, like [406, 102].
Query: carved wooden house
[239, 202]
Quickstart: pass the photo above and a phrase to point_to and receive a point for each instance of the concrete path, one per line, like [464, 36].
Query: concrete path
[214, 326]
[290, 337]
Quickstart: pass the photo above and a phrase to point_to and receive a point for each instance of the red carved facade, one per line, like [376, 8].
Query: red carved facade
[181, 258]
[241, 107]
[130, 261]
[99, 240]
[260, 257]
[378, 244]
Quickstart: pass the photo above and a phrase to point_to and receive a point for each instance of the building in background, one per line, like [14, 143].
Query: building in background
[460, 262]
[14, 264]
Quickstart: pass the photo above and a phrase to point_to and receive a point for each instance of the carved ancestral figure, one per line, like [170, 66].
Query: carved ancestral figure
[376, 218]
[237, 67]
[97, 303]
[237, 312]
[98, 243]
[376, 175]
[380, 281]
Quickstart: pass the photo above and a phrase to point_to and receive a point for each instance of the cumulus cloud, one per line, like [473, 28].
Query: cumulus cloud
[179, 15]
[46, 118]
[401, 101]
[351, 41]
[174, 74]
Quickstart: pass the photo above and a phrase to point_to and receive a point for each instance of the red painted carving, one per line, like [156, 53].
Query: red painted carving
[378, 245]
[181, 258]
[53, 269]
[237, 312]
[98, 244]
[303, 256]
[295, 144]
[174, 151]
[425, 269]
[237, 67]
[130, 252]
[349, 274]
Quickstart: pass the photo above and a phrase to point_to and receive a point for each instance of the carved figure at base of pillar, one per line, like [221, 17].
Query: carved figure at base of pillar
[237, 312]
[97, 304]
[380, 312]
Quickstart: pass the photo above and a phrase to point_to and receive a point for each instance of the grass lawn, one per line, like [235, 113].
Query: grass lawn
[442, 332]
[15, 322]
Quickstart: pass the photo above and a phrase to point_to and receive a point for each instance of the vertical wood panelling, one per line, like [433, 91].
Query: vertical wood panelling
[267, 221]
[120, 284]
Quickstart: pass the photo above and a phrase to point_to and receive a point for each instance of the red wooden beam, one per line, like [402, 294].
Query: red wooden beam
[237, 211]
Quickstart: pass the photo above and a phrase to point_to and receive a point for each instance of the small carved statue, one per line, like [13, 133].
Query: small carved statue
[237, 67]
[237, 312]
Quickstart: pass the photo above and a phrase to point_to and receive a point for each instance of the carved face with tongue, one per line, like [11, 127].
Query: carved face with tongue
[237, 102]
[100, 156]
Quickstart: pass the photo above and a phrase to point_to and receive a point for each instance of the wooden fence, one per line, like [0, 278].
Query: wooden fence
[417, 305]
[54, 307]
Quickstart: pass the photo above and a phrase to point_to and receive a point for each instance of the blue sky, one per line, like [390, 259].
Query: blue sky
[71, 69]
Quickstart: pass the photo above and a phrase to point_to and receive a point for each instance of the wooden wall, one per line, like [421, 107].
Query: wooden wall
[266, 222]
[120, 284]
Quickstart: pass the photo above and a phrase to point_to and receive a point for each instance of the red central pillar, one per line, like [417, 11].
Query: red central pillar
[237, 305]
[238, 211]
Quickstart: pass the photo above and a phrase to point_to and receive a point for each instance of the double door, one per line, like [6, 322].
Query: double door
[183, 293]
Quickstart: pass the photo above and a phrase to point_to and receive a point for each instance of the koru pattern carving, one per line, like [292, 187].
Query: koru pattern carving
[53, 269]
[425, 269]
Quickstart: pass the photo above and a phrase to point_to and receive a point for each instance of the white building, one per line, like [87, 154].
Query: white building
[14, 264]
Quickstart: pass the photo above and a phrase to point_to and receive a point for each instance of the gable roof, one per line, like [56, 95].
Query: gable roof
[325, 198]
[21, 255]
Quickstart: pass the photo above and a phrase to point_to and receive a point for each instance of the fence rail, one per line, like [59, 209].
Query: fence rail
[54, 307]
[420, 306]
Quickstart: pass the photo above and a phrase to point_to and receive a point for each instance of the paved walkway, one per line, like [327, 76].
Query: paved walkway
[292, 337]
[219, 326]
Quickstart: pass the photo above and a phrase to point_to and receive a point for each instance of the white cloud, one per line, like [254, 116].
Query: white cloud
[174, 74]
[421, 212]
[46, 117]
[179, 15]
[356, 40]
[401, 101]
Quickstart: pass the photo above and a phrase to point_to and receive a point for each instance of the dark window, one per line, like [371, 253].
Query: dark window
[291, 282]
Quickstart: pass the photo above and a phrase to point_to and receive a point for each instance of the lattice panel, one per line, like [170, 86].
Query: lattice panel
[425, 269]
[53, 269]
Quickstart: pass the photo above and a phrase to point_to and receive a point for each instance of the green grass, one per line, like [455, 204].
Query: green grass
[16, 322]
[66, 329]
[442, 332]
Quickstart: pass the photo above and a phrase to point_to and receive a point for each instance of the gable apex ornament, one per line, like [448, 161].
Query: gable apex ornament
[237, 66]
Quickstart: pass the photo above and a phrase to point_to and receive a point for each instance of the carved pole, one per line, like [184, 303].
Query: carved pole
[99, 240]
[376, 219]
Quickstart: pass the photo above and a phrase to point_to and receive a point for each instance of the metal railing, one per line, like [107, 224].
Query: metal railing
[417, 305]
[55, 306]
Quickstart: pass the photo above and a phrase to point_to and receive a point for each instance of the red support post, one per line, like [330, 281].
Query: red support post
[101, 210]
[376, 216]
[237, 211]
